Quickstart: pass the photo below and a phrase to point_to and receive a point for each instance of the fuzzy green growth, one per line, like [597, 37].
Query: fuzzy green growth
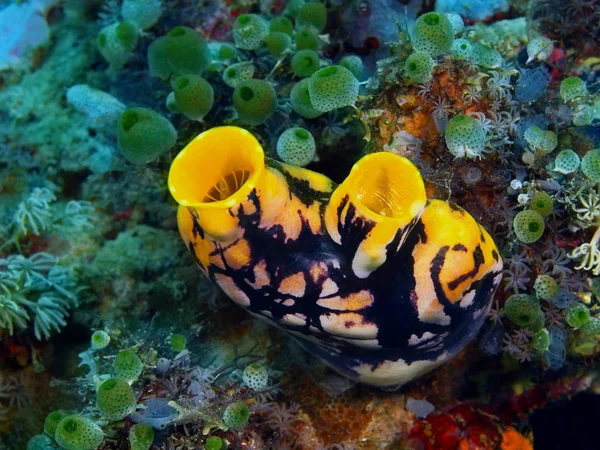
[332, 87]
[116, 43]
[78, 433]
[41, 442]
[590, 165]
[572, 88]
[542, 203]
[419, 67]
[487, 57]
[541, 340]
[187, 51]
[99, 340]
[178, 342]
[300, 100]
[539, 48]
[545, 287]
[354, 64]
[127, 366]
[141, 437]
[236, 73]
[306, 40]
[465, 137]
[194, 96]
[214, 443]
[249, 30]
[236, 415]
[277, 43]
[529, 226]
[255, 101]
[52, 420]
[296, 146]
[143, 135]
[522, 309]
[305, 63]
[592, 327]
[115, 399]
[577, 315]
[281, 24]
[432, 33]
[543, 142]
[566, 162]
[462, 49]
[313, 15]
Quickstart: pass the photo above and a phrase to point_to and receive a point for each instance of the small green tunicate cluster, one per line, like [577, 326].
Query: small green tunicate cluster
[312, 15]
[541, 141]
[572, 88]
[52, 420]
[545, 287]
[78, 433]
[305, 63]
[306, 39]
[485, 56]
[127, 366]
[354, 64]
[332, 87]
[277, 42]
[590, 165]
[528, 226]
[141, 437]
[178, 342]
[236, 415]
[254, 101]
[566, 162]
[577, 315]
[194, 96]
[419, 67]
[99, 340]
[300, 100]
[281, 24]
[115, 399]
[522, 309]
[249, 30]
[116, 43]
[542, 203]
[256, 377]
[296, 146]
[462, 49]
[432, 33]
[539, 48]
[238, 72]
[465, 137]
[143, 135]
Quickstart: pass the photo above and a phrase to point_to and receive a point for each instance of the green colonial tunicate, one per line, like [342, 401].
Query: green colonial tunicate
[143, 135]
[236, 415]
[116, 43]
[332, 87]
[354, 64]
[158, 60]
[277, 42]
[572, 88]
[432, 33]
[539, 48]
[458, 25]
[52, 420]
[141, 437]
[529, 226]
[545, 287]
[566, 162]
[542, 141]
[194, 96]
[539, 322]
[583, 114]
[487, 57]
[462, 49]
[78, 433]
[144, 13]
[300, 100]
[41, 442]
[249, 30]
[522, 309]
[465, 137]
[296, 146]
[541, 340]
[127, 366]
[178, 342]
[236, 73]
[214, 443]
[220, 53]
[187, 51]
[282, 24]
[419, 67]
[99, 340]
[255, 375]
[314, 15]
[115, 399]
[305, 63]
[590, 165]
[254, 101]
[542, 203]
[577, 315]
[293, 7]
[306, 40]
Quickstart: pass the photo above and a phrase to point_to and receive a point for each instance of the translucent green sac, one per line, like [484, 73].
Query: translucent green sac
[542, 203]
[542, 141]
[541, 340]
[236, 73]
[545, 287]
[141, 437]
[332, 87]
[127, 366]
[577, 315]
[462, 49]
[596, 287]
[256, 376]
[305, 63]
[419, 67]
[99, 340]
[282, 24]
[52, 420]
[296, 146]
[306, 40]
[528, 226]
[254, 101]
[214, 443]
[572, 88]
[432, 33]
[313, 14]
[487, 57]
[78, 433]
[277, 43]
[539, 322]
[116, 43]
[566, 162]
[41, 442]
[354, 64]
[465, 137]
[194, 96]
[539, 48]
[158, 61]
[590, 165]
[458, 25]
[178, 342]
[236, 415]
[293, 7]
[592, 327]
[583, 114]
[249, 30]
[300, 100]
[143, 135]
[187, 51]
[115, 399]
[522, 309]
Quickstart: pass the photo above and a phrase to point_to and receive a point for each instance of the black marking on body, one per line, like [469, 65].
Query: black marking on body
[478, 260]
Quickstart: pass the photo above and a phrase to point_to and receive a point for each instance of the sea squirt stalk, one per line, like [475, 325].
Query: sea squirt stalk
[371, 276]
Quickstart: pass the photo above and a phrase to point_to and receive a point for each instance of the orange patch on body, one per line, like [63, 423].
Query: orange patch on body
[293, 285]
[238, 255]
[261, 275]
[352, 302]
